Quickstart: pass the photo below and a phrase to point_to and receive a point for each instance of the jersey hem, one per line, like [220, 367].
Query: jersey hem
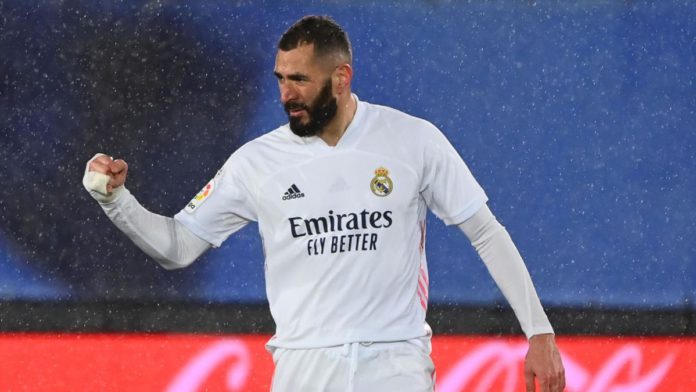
[274, 342]
[468, 212]
[195, 229]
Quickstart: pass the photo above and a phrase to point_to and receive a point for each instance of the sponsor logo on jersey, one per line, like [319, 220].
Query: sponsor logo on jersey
[293, 193]
[333, 222]
[381, 185]
[341, 232]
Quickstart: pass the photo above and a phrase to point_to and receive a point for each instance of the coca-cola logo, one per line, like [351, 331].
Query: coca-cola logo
[197, 371]
[493, 365]
[498, 363]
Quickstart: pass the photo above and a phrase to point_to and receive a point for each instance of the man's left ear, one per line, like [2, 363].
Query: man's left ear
[342, 77]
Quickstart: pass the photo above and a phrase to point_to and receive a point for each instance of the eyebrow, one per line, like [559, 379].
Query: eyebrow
[294, 77]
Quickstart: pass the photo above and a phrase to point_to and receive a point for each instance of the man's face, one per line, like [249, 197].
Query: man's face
[305, 90]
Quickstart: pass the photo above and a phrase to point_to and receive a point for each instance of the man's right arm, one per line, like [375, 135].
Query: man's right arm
[164, 239]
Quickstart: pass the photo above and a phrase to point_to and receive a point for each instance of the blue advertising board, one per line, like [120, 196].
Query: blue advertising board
[579, 120]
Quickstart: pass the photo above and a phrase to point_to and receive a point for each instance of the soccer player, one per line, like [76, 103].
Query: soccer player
[340, 194]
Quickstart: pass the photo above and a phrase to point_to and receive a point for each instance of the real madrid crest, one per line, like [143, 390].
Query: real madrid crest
[381, 185]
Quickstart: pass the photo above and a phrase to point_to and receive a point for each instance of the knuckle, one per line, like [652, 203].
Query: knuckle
[94, 166]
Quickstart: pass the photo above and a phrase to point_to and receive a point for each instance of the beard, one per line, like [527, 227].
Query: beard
[319, 113]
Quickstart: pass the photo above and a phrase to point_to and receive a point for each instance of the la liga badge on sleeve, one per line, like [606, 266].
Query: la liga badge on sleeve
[202, 195]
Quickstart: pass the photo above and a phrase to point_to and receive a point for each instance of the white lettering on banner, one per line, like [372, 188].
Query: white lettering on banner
[199, 368]
[496, 361]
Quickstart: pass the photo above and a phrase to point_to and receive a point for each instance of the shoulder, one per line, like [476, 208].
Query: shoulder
[254, 156]
[395, 116]
[268, 143]
[278, 138]
[394, 123]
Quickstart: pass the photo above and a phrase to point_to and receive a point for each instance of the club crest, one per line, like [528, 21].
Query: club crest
[381, 185]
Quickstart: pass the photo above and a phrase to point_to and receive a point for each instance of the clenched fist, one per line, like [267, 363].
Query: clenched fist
[104, 177]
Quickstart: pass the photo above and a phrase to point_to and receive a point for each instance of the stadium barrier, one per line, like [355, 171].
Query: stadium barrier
[189, 362]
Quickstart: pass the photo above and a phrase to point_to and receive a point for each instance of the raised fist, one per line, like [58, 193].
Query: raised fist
[104, 177]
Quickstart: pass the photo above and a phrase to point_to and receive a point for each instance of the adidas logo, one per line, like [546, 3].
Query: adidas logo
[293, 193]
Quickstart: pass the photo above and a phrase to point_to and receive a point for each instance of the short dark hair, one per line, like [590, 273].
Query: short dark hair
[322, 31]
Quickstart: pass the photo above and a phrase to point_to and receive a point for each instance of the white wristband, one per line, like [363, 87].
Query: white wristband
[95, 183]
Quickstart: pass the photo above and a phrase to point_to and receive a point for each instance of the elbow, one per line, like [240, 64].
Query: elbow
[171, 265]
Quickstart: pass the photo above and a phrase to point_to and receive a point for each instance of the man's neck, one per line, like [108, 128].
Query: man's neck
[333, 131]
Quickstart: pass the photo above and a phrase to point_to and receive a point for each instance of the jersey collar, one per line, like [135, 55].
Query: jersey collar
[349, 139]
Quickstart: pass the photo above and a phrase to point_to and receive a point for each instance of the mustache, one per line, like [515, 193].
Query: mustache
[294, 106]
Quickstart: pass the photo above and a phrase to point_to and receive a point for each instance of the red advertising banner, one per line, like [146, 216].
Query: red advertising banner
[178, 363]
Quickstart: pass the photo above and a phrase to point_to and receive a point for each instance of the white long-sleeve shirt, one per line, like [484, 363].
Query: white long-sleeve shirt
[343, 228]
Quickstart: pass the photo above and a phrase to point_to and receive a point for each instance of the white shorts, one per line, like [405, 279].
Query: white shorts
[403, 366]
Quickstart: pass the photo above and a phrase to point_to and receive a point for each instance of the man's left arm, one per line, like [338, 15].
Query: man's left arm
[493, 243]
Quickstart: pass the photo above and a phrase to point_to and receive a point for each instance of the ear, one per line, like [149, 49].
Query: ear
[343, 75]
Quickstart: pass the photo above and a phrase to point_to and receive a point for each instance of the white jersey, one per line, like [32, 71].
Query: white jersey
[343, 227]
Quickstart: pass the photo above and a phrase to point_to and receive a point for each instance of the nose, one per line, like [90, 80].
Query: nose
[287, 92]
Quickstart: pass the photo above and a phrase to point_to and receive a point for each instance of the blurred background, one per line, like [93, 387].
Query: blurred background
[578, 118]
